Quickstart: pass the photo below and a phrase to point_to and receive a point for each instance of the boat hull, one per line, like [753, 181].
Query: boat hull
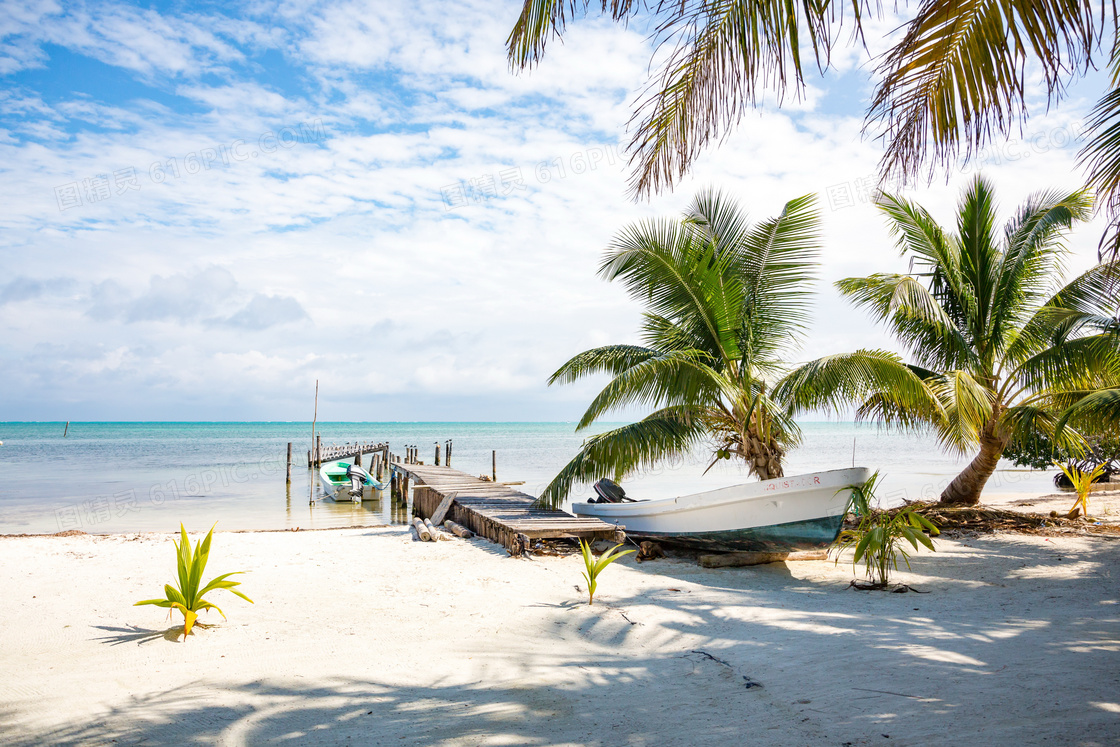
[804, 512]
[336, 485]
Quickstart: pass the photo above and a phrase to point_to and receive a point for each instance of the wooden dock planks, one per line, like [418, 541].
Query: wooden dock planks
[495, 511]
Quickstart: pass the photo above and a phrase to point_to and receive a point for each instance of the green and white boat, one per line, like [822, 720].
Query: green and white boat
[343, 482]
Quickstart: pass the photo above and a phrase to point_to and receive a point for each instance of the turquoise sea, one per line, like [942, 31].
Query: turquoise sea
[122, 477]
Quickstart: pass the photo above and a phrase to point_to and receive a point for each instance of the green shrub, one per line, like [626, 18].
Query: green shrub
[879, 536]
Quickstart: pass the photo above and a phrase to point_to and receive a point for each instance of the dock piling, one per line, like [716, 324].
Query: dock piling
[437, 453]
[494, 465]
[288, 474]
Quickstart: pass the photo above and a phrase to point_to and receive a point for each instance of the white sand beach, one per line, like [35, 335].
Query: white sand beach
[363, 636]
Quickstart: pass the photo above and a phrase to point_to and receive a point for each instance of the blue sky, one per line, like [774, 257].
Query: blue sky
[208, 206]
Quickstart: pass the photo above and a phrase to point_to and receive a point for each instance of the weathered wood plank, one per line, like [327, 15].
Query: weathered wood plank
[494, 511]
[441, 510]
[739, 559]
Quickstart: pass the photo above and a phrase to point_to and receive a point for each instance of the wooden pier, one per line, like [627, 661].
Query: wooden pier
[496, 511]
[334, 452]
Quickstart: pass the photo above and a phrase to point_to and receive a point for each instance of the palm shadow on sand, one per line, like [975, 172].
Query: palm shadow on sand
[139, 636]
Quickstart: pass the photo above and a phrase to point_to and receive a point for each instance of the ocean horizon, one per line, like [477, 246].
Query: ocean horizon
[130, 476]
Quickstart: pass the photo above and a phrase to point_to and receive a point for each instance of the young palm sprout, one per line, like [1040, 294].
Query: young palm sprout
[595, 567]
[187, 597]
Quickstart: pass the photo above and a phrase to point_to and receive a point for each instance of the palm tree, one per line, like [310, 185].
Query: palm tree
[724, 300]
[1001, 350]
[955, 80]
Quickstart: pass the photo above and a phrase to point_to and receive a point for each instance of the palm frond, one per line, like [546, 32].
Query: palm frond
[968, 406]
[725, 53]
[610, 359]
[914, 315]
[979, 259]
[777, 263]
[674, 378]
[1072, 364]
[1031, 257]
[1098, 412]
[541, 21]
[657, 262]
[665, 433]
[936, 254]
[1090, 301]
[1023, 423]
[837, 382]
[957, 78]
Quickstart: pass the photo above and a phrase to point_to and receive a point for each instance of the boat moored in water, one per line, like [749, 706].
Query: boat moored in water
[343, 482]
[802, 512]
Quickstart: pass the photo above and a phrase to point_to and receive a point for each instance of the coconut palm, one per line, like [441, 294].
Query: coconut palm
[725, 300]
[955, 79]
[1001, 350]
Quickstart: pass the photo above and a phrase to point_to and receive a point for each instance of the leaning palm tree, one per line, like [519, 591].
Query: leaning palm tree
[725, 300]
[955, 79]
[1001, 350]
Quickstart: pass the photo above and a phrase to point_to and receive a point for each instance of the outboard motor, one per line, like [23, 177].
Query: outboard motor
[357, 476]
[610, 491]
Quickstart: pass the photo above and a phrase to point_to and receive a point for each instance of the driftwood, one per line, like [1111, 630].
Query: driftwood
[415, 533]
[458, 529]
[421, 529]
[949, 518]
[736, 559]
[436, 534]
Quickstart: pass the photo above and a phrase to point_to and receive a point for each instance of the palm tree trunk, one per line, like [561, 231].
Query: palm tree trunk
[763, 457]
[966, 487]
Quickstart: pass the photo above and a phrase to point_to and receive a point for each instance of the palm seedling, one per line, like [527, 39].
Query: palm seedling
[595, 567]
[879, 536]
[1082, 485]
[187, 597]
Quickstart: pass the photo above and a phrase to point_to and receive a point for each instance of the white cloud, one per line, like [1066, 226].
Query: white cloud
[239, 279]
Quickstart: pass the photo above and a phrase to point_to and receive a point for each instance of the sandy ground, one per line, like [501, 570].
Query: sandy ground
[363, 636]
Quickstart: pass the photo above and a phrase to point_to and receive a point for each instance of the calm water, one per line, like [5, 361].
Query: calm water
[117, 477]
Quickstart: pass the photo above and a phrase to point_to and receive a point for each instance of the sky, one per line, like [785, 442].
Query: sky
[208, 207]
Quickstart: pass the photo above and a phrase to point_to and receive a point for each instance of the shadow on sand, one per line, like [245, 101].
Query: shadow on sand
[755, 656]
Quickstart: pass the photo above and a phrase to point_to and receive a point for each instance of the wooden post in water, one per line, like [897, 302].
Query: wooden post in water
[437, 453]
[288, 477]
[494, 465]
[358, 459]
[447, 460]
[66, 429]
[314, 420]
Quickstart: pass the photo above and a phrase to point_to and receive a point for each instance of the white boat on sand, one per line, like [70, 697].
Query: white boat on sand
[803, 512]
